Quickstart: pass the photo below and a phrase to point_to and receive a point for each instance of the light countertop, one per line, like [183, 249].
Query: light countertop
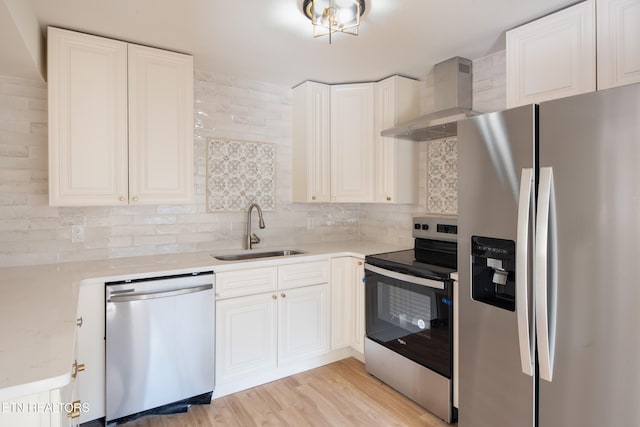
[39, 305]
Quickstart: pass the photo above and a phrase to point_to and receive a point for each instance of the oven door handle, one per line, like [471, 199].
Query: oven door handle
[405, 277]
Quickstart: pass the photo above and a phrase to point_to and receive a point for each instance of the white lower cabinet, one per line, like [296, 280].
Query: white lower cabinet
[257, 333]
[52, 408]
[90, 351]
[261, 336]
[303, 323]
[246, 335]
[347, 303]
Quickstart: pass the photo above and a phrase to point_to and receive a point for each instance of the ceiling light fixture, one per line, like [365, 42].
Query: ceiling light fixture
[333, 16]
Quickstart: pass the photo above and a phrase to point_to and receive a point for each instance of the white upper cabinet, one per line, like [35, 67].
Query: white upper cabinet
[87, 119]
[352, 151]
[338, 153]
[311, 139]
[120, 122]
[396, 101]
[552, 57]
[160, 126]
[618, 42]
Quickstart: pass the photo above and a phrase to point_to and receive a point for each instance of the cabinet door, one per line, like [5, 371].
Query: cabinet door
[352, 143]
[342, 302]
[72, 410]
[90, 351]
[303, 323]
[160, 126]
[87, 80]
[53, 406]
[552, 57]
[246, 340]
[357, 339]
[618, 42]
[311, 141]
[396, 101]
[347, 303]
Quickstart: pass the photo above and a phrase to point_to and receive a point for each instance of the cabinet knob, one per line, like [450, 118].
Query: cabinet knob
[79, 322]
[313, 197]
[274, 297]
[359, 262]
[388, 199]
[75, 411]
[283, 295]
[135, 198]
[122, 199]
[75, 368]
[333, 197]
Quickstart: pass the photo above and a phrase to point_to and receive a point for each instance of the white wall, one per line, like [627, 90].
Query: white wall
[31, 232]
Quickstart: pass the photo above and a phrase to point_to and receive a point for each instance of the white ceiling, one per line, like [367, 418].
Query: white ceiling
[271, 41]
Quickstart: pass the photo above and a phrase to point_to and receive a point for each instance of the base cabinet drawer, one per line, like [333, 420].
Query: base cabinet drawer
[303, 274]
[231, 284]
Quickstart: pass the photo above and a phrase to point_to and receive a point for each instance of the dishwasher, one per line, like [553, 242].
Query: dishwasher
[160, 335]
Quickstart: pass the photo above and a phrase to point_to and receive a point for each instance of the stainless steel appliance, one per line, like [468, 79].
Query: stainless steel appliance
[452, 97]
[409, 316]
[549, 208]
[159, 345]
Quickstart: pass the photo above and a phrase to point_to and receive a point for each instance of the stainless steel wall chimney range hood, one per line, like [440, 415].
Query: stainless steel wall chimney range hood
[452, 94]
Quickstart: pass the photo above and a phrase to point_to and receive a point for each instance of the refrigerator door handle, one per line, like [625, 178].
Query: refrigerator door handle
[525, 205]
[546, 276]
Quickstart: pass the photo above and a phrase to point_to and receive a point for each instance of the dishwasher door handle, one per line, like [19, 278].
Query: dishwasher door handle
[163, 294]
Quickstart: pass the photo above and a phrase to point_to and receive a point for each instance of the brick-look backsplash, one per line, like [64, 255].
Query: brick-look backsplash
[32, 232]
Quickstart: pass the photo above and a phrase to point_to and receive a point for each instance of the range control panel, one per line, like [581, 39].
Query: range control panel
[439, 228]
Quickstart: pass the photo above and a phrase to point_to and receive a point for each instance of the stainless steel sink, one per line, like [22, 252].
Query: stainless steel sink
[255, 255]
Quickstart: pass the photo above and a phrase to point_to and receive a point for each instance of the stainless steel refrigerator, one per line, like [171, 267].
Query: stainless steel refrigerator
[549, 263]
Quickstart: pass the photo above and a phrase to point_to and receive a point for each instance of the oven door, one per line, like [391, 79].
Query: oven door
[410, 315]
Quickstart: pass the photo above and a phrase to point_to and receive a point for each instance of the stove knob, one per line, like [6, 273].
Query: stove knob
[425, 226]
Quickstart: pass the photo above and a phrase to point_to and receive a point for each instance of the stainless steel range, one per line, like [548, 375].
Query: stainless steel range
[409, 316]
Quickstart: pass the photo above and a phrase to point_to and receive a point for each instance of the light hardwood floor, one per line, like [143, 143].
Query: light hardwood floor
[335, 395]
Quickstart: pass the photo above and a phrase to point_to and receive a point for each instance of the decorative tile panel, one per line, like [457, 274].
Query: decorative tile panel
[240, 173]
[442, 176]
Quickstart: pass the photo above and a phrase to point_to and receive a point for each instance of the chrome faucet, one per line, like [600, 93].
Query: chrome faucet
[252, 239]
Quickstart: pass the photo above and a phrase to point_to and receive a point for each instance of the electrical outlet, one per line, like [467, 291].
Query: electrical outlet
[77, 233]
[310, 224]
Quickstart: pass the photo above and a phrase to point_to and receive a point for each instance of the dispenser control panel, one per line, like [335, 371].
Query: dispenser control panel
[493, 271]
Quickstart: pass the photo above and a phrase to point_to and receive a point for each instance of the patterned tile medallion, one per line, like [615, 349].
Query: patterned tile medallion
[442, 176]
[240, 173]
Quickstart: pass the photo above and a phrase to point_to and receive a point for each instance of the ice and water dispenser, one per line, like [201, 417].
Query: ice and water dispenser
[493, 273]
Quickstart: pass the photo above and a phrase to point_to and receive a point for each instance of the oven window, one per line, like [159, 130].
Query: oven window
[412, 320]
